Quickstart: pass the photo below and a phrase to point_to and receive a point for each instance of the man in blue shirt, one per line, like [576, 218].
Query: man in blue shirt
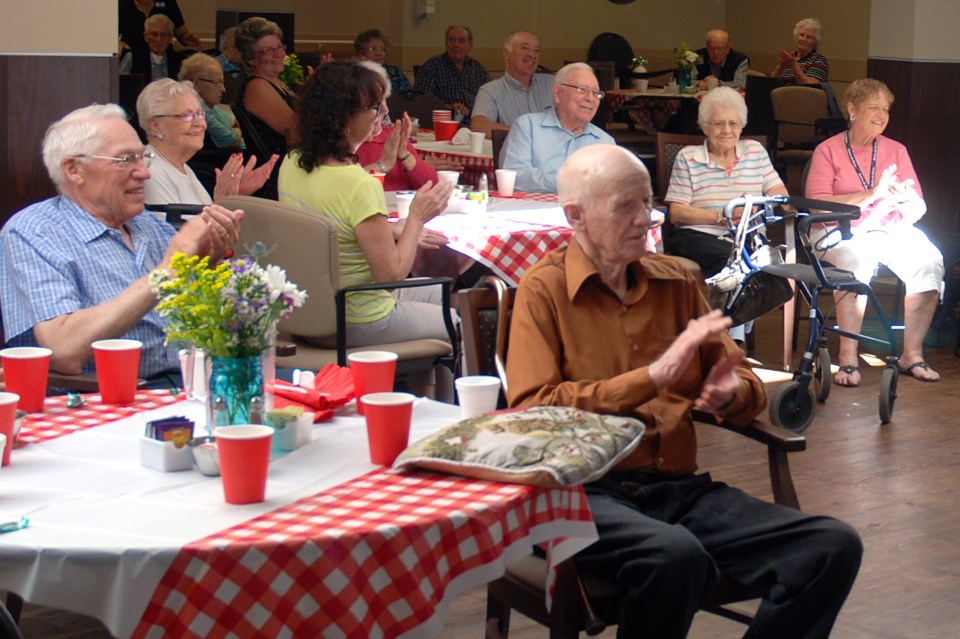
[538, 143]
[75, 268]
[520, 90]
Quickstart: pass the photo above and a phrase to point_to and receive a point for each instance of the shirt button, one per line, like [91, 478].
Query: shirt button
[634, 347]
[623, 309]
[659, 461]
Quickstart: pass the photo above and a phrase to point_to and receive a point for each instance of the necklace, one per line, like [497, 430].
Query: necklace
[165, 159]
[856, 167]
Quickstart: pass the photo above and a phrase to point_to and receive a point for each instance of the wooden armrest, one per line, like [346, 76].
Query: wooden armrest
[285, 349]
[760, 431]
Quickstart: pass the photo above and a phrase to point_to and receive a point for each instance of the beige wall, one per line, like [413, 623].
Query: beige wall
[51, 26]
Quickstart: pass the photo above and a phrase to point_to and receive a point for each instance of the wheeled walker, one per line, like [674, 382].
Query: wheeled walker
[793, 405]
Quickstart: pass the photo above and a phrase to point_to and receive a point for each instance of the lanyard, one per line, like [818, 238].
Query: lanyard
[853, 161]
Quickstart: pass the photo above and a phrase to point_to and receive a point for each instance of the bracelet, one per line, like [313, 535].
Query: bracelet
[404, 158]
[380, 166]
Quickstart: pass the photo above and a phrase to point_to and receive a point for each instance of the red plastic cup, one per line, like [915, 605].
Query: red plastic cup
[8, 415]
[388, 424]
[445, 130]
[118, 363]
[244, 453]
[380, 175]
[373, 372]
[25, 371]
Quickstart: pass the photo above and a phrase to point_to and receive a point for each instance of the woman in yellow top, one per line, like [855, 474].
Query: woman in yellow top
[342, 105]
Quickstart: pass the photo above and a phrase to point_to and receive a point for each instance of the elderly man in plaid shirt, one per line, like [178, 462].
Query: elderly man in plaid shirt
[454, 76]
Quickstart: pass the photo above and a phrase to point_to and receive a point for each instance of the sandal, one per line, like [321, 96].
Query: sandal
[909, 370]
[848, 370]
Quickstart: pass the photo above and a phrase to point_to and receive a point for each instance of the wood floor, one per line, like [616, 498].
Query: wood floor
[897, 484]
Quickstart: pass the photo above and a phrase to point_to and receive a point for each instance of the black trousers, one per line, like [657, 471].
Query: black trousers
[666, 541]
[709, 251]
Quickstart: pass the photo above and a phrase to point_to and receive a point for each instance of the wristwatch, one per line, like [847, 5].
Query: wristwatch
[380, 166]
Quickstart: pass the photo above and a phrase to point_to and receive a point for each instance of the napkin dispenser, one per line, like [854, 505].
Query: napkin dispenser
[164, 456]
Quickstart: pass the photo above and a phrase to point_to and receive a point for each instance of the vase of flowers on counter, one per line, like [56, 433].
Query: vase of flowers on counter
[231, 312]
[686, 60]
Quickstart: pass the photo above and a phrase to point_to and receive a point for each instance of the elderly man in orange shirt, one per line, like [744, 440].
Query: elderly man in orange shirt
[602, 326]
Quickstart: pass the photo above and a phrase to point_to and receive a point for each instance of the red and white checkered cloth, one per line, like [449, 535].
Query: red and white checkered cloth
[372, 557]
[58, 420]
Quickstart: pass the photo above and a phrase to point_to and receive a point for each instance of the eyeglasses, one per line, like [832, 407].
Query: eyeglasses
[158, 34]
[127, 162]
[376, 49]
[272, 50]
[729, 124]
[584, 91]
[186, 116]
[378, 108]
[218, 83]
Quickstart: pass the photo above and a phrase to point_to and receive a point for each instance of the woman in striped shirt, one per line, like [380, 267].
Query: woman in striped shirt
[705, 177]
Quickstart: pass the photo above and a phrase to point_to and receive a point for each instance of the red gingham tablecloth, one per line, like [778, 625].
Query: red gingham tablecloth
[372, 557]
[58, 420]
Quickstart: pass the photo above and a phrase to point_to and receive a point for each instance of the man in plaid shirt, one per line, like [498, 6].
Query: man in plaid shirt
[454, 76]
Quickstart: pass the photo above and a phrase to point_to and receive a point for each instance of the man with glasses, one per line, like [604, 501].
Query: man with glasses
[520, 90]
[720, 61]
[75, 267]
[158, 59]
[538, 143]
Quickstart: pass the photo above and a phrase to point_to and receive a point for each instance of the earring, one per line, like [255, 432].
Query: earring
[159, 136]
[853, 116]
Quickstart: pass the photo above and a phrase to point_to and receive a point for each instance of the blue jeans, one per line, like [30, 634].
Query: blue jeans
[666, 541]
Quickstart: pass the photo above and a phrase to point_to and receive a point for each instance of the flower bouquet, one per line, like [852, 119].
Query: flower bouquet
[292, 74]
[686, 60]
[639, 64]
[231, 312]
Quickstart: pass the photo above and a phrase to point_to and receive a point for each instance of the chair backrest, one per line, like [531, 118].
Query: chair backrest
[669, 144]
[302, 242]
[759, 108]
[417, 104]
[796, 110]
[485, 326]
[499, 136]
[613, 46]
[251, 137]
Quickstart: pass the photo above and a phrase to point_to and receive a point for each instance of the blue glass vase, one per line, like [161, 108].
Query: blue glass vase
[234, 383]
[683, 79]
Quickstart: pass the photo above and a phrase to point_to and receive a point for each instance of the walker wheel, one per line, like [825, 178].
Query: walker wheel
[822, 377]
[792, 406]
[888, 393]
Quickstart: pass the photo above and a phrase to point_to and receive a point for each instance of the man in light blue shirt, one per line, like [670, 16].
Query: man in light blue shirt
[538, 143]
[74, 269]
[520, 90]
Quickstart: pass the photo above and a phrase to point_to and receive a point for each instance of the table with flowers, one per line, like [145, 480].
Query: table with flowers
[340, 547]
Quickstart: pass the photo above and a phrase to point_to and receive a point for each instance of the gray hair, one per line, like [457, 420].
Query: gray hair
[722, 97]
[561, 76]
[250, 31]
[77, 133]
[195, 64]
[381, 73]
[808, 23]
[157, 96]
[508, 43]
[226, 38]
[158, 18]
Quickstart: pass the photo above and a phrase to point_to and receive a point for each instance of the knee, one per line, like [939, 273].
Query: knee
[840, 546]
[680, 565]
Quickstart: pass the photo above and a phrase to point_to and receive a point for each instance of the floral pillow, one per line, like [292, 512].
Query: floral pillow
[545, 446]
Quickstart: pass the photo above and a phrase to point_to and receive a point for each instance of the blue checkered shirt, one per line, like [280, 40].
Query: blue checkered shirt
[55, 258]
[440, 76]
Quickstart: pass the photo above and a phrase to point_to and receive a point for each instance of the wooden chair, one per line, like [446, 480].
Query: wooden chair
[586, 604]
[304, 243]
[796, 110]
[8, 622]
[498, 136]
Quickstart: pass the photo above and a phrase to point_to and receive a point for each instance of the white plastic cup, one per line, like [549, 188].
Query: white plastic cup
[450, 176]
[478, 394]
[404, 198]
[712, 83]
[506, 178]
[643, 85]
[476, 142]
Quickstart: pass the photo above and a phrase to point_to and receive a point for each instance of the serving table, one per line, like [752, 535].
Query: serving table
[340, 547]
